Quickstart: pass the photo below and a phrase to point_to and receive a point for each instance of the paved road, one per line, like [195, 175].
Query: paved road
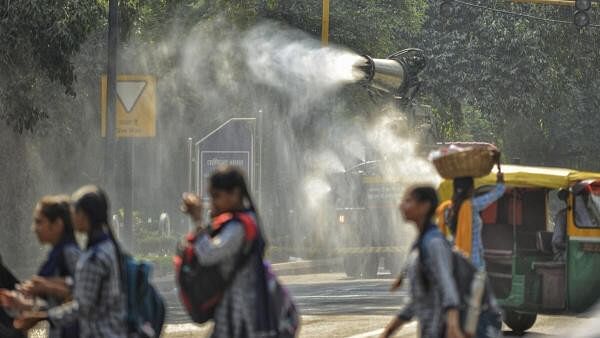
[323, 294]
[335, 306]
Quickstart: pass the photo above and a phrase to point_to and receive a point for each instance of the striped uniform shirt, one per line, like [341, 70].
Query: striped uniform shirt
[235, 314]
[71, 256]
[98, 303]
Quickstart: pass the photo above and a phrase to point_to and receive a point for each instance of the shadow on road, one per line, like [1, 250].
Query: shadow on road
[528, 334]
[347, 297]
[323, 297]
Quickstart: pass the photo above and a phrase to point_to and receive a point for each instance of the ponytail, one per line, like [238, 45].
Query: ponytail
[229, 178]
[463, 189]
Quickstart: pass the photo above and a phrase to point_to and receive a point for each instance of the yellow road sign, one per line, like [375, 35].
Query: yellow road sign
[136, 106]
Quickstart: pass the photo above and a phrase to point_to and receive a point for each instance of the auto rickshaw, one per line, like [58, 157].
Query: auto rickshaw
[525, 275]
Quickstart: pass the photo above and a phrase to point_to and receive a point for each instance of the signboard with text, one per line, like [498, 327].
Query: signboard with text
[230, 144]
[211, 160]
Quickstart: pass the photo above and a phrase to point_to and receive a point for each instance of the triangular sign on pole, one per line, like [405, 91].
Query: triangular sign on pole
[129, 92]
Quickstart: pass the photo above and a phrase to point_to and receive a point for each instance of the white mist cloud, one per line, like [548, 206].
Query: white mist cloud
[294, 62]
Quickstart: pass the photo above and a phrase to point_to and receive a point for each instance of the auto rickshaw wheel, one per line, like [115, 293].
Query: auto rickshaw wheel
[519, 322]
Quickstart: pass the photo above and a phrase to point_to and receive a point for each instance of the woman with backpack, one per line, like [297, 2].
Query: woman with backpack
[97, 305]
[244, 307]
[435, 299]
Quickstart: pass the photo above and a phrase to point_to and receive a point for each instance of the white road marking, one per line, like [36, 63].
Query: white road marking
[341, 296]
[379, 331]
[182, 328]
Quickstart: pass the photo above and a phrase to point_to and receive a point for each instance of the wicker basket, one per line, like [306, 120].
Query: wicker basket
[472, 161]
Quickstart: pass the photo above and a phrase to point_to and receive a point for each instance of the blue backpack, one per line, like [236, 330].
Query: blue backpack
[145, 306]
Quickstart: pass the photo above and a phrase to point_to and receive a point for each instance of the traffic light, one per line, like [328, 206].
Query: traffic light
[581, 17]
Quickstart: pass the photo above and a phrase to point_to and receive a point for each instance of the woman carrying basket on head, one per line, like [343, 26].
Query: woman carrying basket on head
[459, 217]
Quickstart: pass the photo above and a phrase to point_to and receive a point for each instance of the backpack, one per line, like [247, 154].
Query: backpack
[201, 287]
[145, 307]
[284, 311]
[464, 274]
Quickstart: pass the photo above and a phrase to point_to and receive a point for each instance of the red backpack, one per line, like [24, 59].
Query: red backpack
[201, 288]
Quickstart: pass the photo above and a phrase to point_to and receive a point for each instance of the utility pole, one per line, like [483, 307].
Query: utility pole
[325, 24]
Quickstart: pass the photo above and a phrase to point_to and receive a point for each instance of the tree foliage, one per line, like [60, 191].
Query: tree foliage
[38, 40]
[532, 80]
[504, 74]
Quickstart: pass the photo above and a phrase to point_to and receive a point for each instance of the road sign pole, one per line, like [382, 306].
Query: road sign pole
[190, 174]
[127, 147]
[259, 136]
[109, 150]
[190, 165]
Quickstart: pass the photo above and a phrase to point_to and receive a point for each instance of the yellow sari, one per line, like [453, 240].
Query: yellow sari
[463, 238]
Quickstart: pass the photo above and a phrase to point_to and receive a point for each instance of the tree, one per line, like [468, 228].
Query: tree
[38, 39]
[531, 79]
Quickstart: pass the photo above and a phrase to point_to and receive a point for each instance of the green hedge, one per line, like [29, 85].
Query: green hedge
[163, 264]
[156, 245]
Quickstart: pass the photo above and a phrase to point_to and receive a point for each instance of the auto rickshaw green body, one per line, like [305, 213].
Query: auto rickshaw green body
[525, 275]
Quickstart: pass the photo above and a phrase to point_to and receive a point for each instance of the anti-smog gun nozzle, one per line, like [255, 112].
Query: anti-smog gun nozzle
[397, 75]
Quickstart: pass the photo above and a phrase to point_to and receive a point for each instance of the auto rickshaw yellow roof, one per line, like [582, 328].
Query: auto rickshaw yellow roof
[527, 177]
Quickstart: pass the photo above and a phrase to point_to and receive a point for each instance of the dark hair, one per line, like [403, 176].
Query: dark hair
[463, 190]
[426, 194]
[229, 178]
[93, 202]
[58, 207]
[563, 194]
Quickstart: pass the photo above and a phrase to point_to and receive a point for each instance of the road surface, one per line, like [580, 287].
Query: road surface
[335, 306]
